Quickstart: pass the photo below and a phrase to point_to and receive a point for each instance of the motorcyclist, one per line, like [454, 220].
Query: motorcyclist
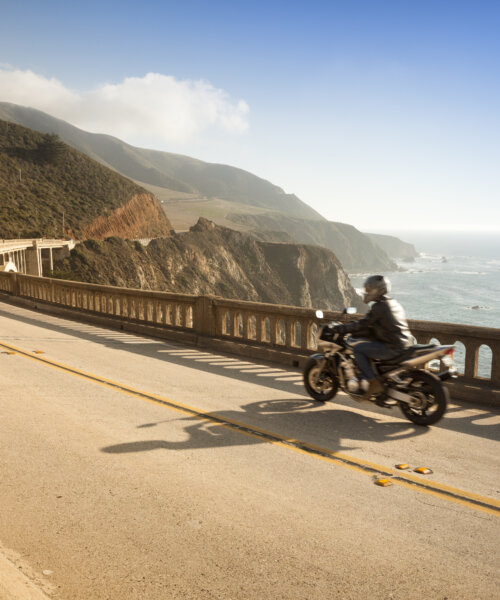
[385, 326]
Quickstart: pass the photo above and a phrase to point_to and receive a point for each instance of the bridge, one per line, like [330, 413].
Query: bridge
[283, 334]
[32, 256]
[160, 445]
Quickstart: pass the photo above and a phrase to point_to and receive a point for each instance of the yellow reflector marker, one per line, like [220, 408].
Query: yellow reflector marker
[383, 482]
[38, 351]
[423, 470]
[402, 466]
[10, 352]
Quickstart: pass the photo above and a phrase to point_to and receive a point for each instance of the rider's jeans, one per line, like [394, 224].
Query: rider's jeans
[364, 350]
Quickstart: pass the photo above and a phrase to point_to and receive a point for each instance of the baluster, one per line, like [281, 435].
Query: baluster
[471, 358]
[182, 310]
[219, 321]
[303, 335]
[495, 362]
[312, 334]
[189, 316]
[262, 325]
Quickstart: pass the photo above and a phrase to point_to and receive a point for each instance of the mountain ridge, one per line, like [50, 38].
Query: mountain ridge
[173, 171]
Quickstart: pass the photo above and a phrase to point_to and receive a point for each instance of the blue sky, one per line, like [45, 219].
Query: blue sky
[377, 113]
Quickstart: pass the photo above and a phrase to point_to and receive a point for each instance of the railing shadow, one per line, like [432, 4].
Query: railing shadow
[472, 419]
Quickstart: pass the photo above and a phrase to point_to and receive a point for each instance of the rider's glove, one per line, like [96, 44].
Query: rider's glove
[339, 329]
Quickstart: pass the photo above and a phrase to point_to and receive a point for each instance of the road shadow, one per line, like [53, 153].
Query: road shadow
[262, 373]
[272, 421]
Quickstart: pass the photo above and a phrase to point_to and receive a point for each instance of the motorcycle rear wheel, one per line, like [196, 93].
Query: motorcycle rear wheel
[321, 386]
[431, 395]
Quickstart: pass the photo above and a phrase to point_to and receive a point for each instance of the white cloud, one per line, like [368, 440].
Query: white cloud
[29, 89]
[154, 107]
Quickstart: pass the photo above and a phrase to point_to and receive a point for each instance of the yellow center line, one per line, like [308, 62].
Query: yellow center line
[406, 480]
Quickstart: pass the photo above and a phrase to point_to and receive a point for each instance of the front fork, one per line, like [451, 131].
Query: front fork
[321, 362]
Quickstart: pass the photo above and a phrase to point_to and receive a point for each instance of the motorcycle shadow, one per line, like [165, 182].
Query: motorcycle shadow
[276, 421]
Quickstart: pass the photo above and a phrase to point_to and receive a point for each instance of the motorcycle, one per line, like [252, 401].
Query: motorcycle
[406, 382]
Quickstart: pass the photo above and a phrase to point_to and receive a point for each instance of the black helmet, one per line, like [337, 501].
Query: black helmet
[375, 287]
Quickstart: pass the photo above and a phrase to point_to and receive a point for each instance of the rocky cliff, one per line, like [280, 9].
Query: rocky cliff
[357, 252]
[209, 259]
[394, 247]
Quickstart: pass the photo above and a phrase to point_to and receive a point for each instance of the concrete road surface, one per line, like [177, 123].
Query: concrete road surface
[131, 468]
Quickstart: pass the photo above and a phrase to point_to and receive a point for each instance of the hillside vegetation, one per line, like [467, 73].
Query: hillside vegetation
[49, 189]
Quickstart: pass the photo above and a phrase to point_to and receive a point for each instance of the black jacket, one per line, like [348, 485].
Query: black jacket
[386, 322]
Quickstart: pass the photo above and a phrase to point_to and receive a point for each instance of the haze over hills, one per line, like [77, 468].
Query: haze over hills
[189, 188]
[164, 169]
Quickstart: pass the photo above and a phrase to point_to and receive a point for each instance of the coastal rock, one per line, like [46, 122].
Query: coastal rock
[355, 250]
[394, 247]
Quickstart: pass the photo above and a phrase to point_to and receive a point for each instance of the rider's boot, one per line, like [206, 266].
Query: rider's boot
[374, 388]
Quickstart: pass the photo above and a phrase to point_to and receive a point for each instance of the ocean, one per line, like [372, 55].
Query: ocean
[455, 279]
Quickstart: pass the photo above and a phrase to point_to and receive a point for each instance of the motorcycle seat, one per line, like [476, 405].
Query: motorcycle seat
[408, 353]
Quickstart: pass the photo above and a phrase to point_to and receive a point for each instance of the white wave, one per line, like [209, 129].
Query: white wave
[433, 257]
[469, 272]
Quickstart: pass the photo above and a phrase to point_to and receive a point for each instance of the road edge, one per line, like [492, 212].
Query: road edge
[16, 585]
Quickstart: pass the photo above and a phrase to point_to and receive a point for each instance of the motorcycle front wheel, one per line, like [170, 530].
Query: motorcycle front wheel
[321, 384]
[430, 398]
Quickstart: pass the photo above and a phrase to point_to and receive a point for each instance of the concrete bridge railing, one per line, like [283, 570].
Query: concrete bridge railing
[278, 333]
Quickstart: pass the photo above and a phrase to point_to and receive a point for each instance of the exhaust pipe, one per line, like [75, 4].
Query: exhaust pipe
[449, 374]
[422, 359]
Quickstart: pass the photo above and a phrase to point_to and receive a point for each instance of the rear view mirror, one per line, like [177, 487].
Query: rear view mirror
[319, 314]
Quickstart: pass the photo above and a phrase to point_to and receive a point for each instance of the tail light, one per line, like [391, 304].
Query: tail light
[447, 358]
